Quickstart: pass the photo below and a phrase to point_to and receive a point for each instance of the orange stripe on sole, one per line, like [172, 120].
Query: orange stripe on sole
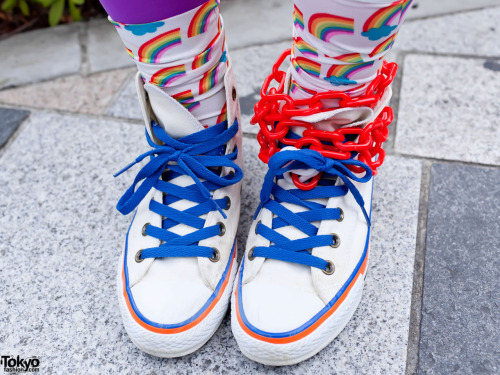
[189, 325]
[312, 328]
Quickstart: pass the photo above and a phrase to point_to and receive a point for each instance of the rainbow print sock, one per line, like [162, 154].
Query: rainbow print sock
[339, 45]
[186, 56]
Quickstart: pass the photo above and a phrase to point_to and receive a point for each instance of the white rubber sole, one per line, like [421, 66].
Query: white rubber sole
[294, 352]
[174, 345]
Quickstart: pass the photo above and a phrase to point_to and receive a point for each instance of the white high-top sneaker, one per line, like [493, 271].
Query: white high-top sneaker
[307, 252]
[176, 272]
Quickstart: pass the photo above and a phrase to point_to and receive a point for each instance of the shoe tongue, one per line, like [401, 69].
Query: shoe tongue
[336, 118]
[176, 120]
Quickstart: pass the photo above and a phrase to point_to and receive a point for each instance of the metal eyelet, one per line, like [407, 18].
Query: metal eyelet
[216, 256]
[228, 203]
[143, 231]
[341, 218]
[330, 268]
[138, 258]
[250, 254]
[231, 174]
[234, 93]
[336, 240]
[259, 222]
[222, 228]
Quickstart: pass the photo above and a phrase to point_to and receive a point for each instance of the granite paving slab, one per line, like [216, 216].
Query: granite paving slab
[126, 104]
[471, 33]
[432, 8]
[460, 332]
[10, 119]
[105, 50]
[39, 55]
[257, 22]
[449, 110]
[59, 250]
[74, 93]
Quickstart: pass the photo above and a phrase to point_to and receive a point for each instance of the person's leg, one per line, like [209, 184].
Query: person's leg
[178, 264]
[178, 46]
[340, 44]
[322, 127]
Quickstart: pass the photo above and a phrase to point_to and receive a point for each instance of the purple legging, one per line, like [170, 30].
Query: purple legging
[146, 11]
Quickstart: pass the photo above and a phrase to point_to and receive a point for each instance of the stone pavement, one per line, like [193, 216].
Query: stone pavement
[69, 119]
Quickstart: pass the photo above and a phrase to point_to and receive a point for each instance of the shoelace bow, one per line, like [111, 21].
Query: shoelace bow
[298, 251]
[199, 156]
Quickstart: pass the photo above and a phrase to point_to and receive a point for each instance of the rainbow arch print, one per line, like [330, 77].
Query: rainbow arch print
[210, 78]
[325, 26]
[199, 23]
[311, 67]
[118, 25]
[205, 56]
[384, 46]
[294, 87]
[382, 22]
[153, 50]
[305, 48]
[201, 59]
[351, 58]
[406, 6]
[223, 114]
[298, 18]
[186, 99]
[340, 75]
[129, 51]
[165, 77]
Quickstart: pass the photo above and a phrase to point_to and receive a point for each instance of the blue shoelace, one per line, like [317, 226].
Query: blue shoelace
[272, 196]
[199, 156]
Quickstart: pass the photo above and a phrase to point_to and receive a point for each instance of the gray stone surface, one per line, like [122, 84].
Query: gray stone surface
[60, 238]
[429, 8]
[10, 119]
[449, 109]
[126, 104]
[105, 50]
[74, 93]
[257, 22]
[460, 332]
[39, 55]
[472, 33]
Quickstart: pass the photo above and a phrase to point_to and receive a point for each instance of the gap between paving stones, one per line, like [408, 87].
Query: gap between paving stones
[83, 39]
[16, 132]
[418, 273]
[115, 96]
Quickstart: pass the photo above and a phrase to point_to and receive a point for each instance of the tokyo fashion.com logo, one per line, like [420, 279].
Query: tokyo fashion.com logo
[12, 364]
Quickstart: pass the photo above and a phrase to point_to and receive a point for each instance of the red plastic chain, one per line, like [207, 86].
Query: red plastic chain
[275, 112]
